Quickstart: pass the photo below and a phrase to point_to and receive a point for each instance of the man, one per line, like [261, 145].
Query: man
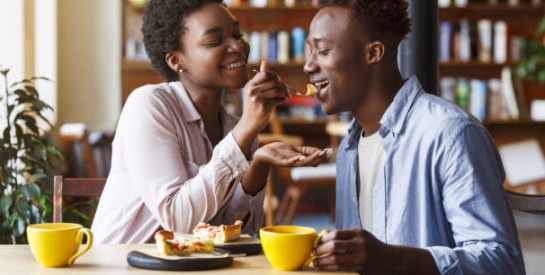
[419, 181]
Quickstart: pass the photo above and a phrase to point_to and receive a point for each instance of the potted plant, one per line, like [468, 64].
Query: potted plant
[26, 159]
[531, 69]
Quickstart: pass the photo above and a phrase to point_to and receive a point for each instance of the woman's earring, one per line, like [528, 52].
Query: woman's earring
[181, 70]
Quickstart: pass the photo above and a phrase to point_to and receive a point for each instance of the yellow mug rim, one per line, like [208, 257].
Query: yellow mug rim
[307, 230]
[44, 227]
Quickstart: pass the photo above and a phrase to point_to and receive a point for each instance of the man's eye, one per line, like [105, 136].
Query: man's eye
[323, 52]
[238, 36]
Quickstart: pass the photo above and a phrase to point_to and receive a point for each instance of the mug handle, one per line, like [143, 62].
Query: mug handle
[88, 245]
[316, 241]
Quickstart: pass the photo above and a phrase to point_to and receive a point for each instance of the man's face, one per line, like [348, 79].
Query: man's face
[336, 63]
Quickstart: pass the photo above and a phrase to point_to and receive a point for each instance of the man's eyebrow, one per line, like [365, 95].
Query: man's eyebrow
[320, 39]
[219, 29]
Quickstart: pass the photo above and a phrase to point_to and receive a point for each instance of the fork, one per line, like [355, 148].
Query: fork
[288, 87]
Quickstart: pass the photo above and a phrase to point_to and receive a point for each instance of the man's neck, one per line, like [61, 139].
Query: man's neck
[380, 95]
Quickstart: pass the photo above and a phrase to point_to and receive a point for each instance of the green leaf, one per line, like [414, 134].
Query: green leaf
[5, 204]
[33, 190]
[20, 93]
[19, 228]
[7, 135]
[23, 190]
[40, 78]
[19, 134]
[35, 214]
[32, 91]
[23, 208]
[540, 30]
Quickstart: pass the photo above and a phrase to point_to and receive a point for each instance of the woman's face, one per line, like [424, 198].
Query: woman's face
[213, 54]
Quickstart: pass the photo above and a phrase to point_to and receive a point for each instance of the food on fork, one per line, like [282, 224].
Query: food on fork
[218, 234]
[170, 244]
[311, 89]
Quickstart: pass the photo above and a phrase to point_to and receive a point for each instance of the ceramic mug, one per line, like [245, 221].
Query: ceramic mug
[58, 244]
[289, 247]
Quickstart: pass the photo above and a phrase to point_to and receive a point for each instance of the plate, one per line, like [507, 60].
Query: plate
[246, 244]
[196, 261]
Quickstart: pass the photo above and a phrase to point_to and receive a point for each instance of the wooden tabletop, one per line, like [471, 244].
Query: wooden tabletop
[112, 259]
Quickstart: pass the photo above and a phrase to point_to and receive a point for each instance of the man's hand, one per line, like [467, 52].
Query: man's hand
[354, 250]
[358, 250]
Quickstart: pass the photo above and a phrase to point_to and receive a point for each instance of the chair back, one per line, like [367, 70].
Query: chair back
[78, 187]
[534, 204]
[88, 153]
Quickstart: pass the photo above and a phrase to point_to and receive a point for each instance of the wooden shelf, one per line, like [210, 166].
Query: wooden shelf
[521, 19]
[274, 17]
[508, 131]
[504, 12]
[472, 69]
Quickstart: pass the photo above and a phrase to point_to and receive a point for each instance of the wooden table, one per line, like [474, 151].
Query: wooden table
[112, 259]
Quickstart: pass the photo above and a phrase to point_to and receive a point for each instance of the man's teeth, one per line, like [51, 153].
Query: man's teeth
[321, 84]
[236, 65]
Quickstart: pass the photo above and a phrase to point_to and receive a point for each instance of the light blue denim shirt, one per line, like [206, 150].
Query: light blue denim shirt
[440, 189]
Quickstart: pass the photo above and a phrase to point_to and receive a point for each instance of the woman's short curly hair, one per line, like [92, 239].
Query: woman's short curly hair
[384, 16]
[163, 27]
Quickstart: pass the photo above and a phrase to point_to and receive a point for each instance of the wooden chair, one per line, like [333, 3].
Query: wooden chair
[77, 187]
[301, 179]
[276, 135]
[88, 153]
[534, 204]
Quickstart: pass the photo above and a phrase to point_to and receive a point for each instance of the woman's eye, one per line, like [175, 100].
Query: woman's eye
[215, 42]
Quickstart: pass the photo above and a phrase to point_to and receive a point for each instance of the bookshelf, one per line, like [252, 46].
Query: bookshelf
[520, 21]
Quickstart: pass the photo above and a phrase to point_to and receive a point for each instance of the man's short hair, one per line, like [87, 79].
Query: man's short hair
[380, 17]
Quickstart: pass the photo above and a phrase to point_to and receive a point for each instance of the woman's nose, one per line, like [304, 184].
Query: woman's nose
[236, 46]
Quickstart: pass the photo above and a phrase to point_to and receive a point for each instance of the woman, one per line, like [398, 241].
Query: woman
[178, 157]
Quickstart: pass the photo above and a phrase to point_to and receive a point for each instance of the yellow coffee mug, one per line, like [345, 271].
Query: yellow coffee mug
[57, 244]
[289, 247]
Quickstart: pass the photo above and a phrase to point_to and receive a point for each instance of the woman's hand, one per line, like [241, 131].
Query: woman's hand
[279, 154]
[287, 155]
[261, 95]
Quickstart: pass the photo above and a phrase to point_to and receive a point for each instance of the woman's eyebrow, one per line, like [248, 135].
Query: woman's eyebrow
[220, 29]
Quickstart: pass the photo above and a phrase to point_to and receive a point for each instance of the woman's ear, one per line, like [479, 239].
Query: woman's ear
[375, 52]
[174, 61]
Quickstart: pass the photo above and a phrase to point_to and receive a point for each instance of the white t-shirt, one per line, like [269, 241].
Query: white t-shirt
[370, 162]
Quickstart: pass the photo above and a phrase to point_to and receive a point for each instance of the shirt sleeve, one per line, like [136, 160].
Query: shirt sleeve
[245, 207]
[481, 221]
[177, 197]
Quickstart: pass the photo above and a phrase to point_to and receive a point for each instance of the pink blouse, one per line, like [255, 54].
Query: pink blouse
[166, 174]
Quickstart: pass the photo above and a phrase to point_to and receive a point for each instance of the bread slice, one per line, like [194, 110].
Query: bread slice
[218, 234]
[169, 244]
